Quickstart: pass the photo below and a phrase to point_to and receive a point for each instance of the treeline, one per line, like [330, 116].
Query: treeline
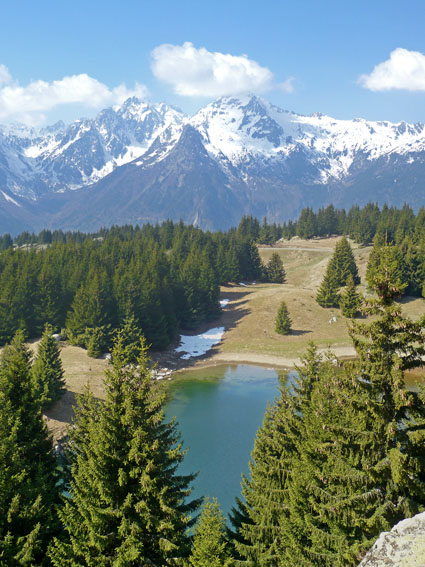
[362, 225]
[167, 277]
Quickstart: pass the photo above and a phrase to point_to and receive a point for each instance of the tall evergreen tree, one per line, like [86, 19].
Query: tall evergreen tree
[128, 504]
[385, 273]
[328, 292]
[259, 522]
[28, 491]
[89, 308]
[210, 548]
[47, 371]
[350, 301]
[342, 263]
[340, 496]
[275, 270]
[283, 320]
[360, 460]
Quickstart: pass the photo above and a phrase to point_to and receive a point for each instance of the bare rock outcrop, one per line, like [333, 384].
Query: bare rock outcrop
[403, 546]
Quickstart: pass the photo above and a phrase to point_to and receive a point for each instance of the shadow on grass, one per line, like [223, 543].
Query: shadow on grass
[299, 332]
[63, 410]
[408, 299]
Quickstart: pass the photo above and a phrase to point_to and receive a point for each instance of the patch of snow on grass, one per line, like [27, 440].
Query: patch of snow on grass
[198, 345]
[224, 302]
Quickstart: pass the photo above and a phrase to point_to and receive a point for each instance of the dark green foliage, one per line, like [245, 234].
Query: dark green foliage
[47, 371]
[259, 522]
[275, 270]
[342, 263]
[307, 224]
[340, 457]
[28, 492]
[90, 280]
[97, 341]
[5, 242]
[249, 228]
[328, 292]
[167, 277]
[350, 301]
[283, 320]
[89, 308]
[209, 547]
[130, 337]
[341, 494]
[340, 267]
[129, 505]
[385, 273]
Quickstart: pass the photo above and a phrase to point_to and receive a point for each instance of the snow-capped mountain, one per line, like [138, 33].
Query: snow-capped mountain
[57, 159]
[245, 130]
[148, 162]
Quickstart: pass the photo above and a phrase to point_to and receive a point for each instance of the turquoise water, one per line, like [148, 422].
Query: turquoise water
[219, 411]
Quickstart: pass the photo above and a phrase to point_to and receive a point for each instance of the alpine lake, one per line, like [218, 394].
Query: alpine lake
[219, 410]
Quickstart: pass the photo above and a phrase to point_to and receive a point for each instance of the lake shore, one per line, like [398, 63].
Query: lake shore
[217, 356]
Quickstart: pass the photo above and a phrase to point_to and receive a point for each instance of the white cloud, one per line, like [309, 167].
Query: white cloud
[199, 72]
[5, 77]
[403, 70]
[29, 103]
[287, 86]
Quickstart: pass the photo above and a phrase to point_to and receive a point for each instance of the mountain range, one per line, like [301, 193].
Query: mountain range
[143, 162]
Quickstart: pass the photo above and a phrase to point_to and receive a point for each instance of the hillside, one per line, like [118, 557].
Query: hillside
[248, 320]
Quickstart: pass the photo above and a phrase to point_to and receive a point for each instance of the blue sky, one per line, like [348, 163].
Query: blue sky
[302, 55]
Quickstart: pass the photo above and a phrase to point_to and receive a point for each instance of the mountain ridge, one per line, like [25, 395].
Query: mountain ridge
[142, 162]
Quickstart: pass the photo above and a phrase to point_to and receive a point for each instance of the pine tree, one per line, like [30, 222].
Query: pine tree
[327, 294]
[283, 320]
[256, 520]
[47, 371]
[340, 497]
[350, 301]
[28, 491]
[385, 273]
[89, 308]
[128, 504]
[307, 224]
[130, 336]
[259, 523]
[98, 340]
[275, 270]
[342, 263]
[210, 548]
[341, 458]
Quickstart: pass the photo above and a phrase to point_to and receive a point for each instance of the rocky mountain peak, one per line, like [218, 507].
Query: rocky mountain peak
[275, 160]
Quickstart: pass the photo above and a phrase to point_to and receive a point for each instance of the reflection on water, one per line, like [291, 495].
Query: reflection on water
[219, 411]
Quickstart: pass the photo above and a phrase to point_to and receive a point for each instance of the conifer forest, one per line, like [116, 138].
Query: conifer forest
[338, 459]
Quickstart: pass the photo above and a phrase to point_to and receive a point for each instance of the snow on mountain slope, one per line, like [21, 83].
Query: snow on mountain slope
[246, 129]
[59, 158]
[243, 134]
